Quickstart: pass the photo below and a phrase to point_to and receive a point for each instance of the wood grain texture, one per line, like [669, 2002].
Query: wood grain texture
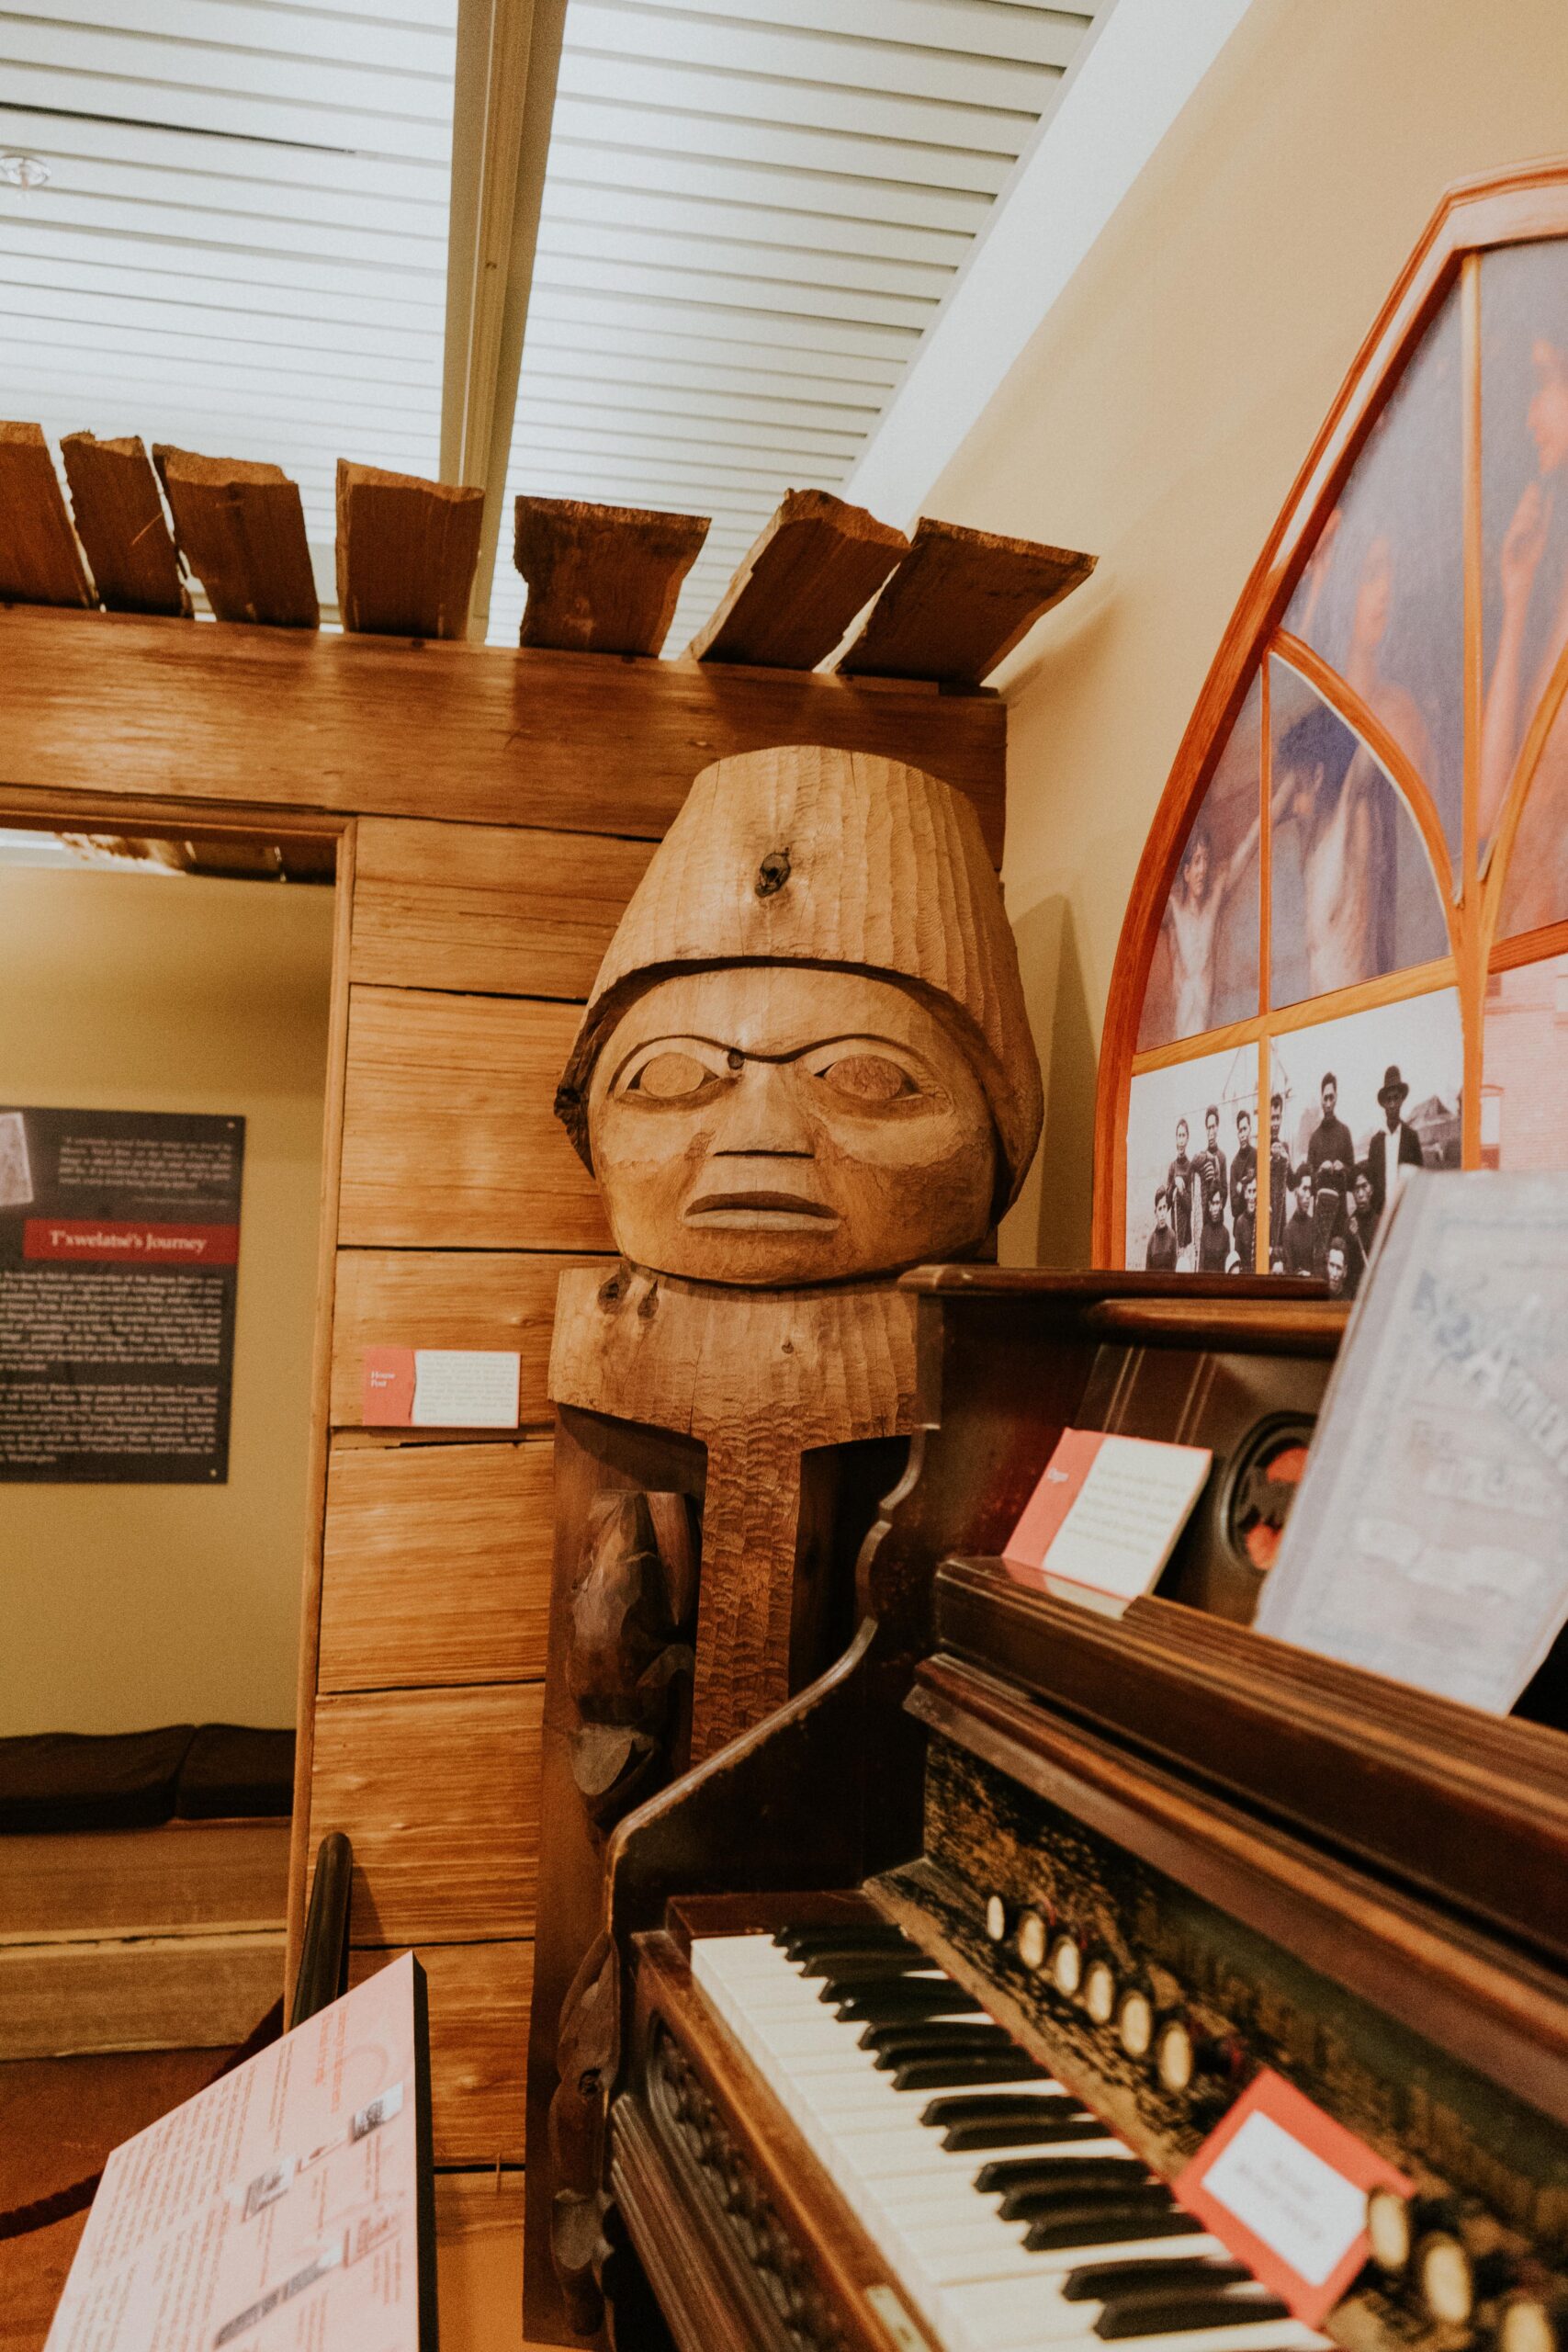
[602, 578]
[815, 565]
[189, 1992]
[479, 2237]
[185, 1874]
[241, 528]
[450, 1134]
[116, 705]
[40, 562]
[438, 1790]
[478, 2033]
[438, 1565]
[500, 909]
[959, 603]
[407, 551]
[121, 522]
[455, 1298]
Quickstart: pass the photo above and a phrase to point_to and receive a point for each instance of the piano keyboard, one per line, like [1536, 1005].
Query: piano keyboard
[1008, 2216]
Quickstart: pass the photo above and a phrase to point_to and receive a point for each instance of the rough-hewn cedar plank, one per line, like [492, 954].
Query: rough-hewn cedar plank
[490, 908]
[315, 720]
[40, 562]
[437, 1566]
[808, 575]
[959, 603]
[478, 2033]
[439, 1793]
[121, 522]
[241, 530]
[602, 578]
[450, 1134]
[445, 1298]
[406, 552]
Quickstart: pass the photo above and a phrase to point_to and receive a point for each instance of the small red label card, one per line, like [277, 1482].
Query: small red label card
[1285, 2188]
[1102, 1521]
[442, 1388]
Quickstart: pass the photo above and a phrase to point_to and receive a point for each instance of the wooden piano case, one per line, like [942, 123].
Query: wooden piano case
[1291, 1863]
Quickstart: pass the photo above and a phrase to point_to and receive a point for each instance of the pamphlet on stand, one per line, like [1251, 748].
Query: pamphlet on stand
[290, 2204]
[1104, 1519]
[1429, 1537]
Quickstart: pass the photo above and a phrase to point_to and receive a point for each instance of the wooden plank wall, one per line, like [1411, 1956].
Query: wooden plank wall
[471, 948]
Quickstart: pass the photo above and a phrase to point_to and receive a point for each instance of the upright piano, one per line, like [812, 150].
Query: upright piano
[935, 1983]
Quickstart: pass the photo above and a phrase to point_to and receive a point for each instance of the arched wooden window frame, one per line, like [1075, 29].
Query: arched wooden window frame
[1514, 207]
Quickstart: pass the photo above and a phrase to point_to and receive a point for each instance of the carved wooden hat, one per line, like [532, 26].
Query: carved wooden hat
[803, 855]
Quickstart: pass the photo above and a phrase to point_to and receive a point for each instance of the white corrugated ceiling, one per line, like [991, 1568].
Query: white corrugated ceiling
[750, 217]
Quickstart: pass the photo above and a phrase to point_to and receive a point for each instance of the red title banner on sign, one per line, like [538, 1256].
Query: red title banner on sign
[112, 1241]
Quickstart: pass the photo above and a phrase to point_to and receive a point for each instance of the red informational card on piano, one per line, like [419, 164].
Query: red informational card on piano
[1285, 2188]
[1104, 1519]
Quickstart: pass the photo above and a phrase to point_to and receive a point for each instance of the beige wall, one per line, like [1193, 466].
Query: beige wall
[1159, 419]
[128, 1606]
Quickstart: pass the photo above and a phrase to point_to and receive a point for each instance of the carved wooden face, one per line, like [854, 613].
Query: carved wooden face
[770, 1125]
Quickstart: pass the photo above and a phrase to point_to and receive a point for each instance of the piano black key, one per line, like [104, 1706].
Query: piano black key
[1098, 2172]
[999, 2106]
[980, 2136]
[1172, 2313]
[1101, 2282]
[1033, 2202]
[951, 2073]
[1092, 2224]
[856, 1968]
[889, 2003]
[919, 2037]
[871, 1935]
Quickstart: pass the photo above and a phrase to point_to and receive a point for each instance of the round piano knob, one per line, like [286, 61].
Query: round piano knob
[1445, 2279]
[1135, 2021]
[996, 1917]
[1031, 1940]
[1100, 1991]
[1390, 2232]
[1527, 2324]
[1176, 2060]
[1067, 1966]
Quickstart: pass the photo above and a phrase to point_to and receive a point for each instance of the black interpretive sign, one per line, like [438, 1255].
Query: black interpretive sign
[119, 1246]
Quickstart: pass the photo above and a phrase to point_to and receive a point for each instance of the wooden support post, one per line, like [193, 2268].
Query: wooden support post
[119, 517]
[241, 530]
[40, 562]
[959, 603]
[406, 552]
[602, 578]
[814, 567]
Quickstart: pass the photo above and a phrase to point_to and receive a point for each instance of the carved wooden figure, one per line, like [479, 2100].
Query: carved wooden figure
[804, 1067]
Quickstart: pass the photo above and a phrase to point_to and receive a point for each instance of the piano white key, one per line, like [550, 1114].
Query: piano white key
[1007, 2316]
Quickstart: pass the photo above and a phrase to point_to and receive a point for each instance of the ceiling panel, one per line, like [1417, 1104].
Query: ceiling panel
[242, 244]
[752, 216]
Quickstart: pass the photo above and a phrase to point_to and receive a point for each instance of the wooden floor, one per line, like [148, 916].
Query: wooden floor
[60, 2117]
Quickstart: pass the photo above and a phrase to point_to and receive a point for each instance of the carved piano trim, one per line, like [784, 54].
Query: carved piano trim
[702, 2144]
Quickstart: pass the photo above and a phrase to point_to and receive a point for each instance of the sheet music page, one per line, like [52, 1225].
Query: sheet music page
[1429, 1537]
[276, 2209]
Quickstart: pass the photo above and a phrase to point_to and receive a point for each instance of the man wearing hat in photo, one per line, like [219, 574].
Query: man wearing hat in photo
[1397, 1145]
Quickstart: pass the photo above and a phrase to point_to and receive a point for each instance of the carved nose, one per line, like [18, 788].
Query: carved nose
[762, 1118]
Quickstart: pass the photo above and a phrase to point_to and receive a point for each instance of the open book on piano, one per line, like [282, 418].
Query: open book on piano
[937, 1983]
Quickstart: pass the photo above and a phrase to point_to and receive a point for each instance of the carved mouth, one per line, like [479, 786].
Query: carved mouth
[772, 1207]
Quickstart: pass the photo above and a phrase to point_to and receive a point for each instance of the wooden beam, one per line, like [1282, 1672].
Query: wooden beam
[105, 706]
[240, 528]
[120, 519]
[406, 552]
[808, 576]
[602, 578]
[503, 99]
[40, 562]
[959, 603]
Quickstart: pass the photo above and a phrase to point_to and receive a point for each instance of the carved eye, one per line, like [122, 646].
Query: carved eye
[668, 1078]
[867, 1078]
